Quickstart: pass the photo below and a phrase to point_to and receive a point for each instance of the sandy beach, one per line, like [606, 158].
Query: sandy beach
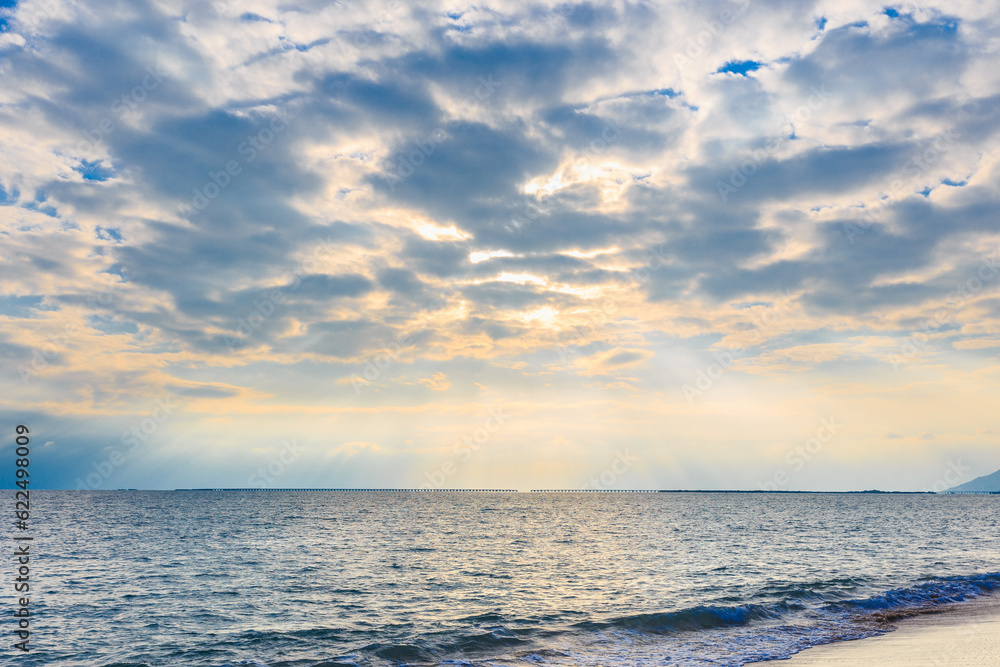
[966, 634]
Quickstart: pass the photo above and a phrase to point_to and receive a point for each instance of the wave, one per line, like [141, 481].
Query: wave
[786, 617]
[464, 644]
[929, 593]
[815, 600]
[693, 619]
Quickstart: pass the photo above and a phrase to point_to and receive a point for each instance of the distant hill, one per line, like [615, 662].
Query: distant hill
[984, 484]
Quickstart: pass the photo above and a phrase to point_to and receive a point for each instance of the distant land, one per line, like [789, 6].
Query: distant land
[984, 484]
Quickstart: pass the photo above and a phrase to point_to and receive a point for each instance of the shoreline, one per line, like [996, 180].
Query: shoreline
[962, 633]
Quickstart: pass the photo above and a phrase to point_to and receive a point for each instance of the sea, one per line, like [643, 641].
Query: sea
[379, 578]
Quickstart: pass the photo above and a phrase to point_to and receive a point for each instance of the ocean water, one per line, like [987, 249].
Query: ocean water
[392, 578]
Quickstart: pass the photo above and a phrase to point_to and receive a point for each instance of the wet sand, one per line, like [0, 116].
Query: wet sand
[965, 634]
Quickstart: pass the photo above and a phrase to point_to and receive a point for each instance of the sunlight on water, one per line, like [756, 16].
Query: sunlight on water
[383, 578]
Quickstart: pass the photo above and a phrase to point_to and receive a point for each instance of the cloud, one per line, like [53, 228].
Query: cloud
[437, 382]
[614, 360]
[520, 200]
[205, 391]
[353, 448]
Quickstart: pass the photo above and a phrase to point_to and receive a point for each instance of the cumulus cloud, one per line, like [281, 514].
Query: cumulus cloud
[280, 207]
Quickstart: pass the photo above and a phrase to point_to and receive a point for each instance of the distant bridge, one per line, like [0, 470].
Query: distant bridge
[258, 488]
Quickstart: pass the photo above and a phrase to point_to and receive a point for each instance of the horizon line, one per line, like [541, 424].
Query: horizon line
[501, 490]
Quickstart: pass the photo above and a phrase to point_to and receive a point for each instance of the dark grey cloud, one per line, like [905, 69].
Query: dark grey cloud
[472, 169]
[23, 306]
[321, 287]
[390, 101]
[817, 171]
[438, 258]
[203, 392]
[524, 69]
[858, 64]
[472, 174]
[340, 338]
[514, 296]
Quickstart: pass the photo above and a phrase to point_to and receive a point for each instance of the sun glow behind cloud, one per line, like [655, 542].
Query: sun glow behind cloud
[482, 256]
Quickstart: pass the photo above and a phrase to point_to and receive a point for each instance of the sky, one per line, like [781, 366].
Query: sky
[623, 245]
